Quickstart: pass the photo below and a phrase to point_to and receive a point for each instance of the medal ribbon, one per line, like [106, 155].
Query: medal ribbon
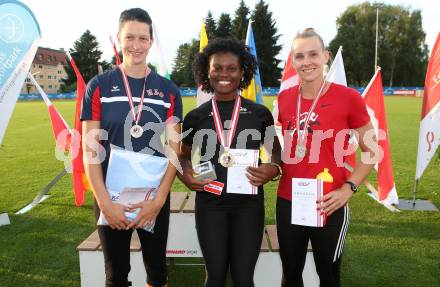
[302, 137]
[136, 116]
[219, 126]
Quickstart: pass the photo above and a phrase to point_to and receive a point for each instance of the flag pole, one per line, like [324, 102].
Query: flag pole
[43, 195]
[377, 37]
[115, 50]
[416, 185]
[372, 191]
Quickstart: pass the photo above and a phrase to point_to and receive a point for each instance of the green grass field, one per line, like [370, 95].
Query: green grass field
[38, 248]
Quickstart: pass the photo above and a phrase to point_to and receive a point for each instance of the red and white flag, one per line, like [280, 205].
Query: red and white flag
[429, 134]
[80, 184]
[290, 76]
[61, 131]
[214, 187]
[374, 99]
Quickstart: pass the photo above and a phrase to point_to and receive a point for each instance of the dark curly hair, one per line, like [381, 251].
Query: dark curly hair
[247, 61]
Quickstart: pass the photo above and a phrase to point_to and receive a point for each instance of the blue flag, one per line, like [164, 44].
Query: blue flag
[254, 92]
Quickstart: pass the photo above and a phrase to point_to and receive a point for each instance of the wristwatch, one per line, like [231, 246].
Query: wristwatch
[352, 185]
[280, 171]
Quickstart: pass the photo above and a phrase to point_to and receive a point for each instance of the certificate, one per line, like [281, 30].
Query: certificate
[237, 179]
[136, 195]
[305, 192]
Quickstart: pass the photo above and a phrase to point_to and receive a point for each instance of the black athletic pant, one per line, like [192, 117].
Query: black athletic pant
[116, 249]
[230, 239]
[327, 244]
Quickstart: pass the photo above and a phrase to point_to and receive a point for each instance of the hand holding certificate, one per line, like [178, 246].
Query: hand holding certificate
[305, 193]
[133, 178]
[131, 197]
[237, 179]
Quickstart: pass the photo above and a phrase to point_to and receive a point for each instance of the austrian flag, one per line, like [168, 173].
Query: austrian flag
[214, 187]
[376, 108]
[80, 183]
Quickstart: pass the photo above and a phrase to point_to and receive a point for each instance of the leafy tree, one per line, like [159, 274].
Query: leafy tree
[240, 22]
[210, 25]
[224, 26]
[402, 52]
[179, 72]
[265, 34]
[87, 57]
[182, 73]
[266, 38]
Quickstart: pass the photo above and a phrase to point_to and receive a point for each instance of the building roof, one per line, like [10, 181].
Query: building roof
[51, 57]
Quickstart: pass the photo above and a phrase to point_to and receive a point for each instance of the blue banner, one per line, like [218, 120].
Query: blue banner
[19, 30]
[269, 91]
[19, 38]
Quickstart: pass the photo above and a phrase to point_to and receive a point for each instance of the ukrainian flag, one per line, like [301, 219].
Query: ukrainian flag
[254, 92]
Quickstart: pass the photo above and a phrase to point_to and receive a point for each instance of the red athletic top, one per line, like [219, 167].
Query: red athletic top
[337, 111]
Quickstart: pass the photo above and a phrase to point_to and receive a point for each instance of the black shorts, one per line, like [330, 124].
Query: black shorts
[327, 244]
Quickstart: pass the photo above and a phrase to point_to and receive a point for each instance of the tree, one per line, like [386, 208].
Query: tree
[87, 57]
[265, 34]
[240, 22]
[402, 52]
[224, 26]
[182, 73]
[266, 38]
[210, 26]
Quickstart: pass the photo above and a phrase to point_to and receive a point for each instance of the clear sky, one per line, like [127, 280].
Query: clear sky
[62, 22]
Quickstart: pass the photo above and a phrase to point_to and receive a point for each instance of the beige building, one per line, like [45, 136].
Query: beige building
[48, 70]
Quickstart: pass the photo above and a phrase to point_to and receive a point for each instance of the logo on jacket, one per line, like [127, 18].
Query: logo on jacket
[115, 89]
[244, 111]
[155, 92]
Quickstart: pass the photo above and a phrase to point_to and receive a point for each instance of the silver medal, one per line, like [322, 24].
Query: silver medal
[300, 151]
[136, 131]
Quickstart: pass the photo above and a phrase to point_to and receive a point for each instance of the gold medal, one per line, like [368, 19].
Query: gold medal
[226, 159]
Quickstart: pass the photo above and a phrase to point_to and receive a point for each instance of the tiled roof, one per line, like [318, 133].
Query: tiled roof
[47, 56]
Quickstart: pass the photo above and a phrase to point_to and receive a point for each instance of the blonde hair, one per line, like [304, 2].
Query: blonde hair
[309, 33]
